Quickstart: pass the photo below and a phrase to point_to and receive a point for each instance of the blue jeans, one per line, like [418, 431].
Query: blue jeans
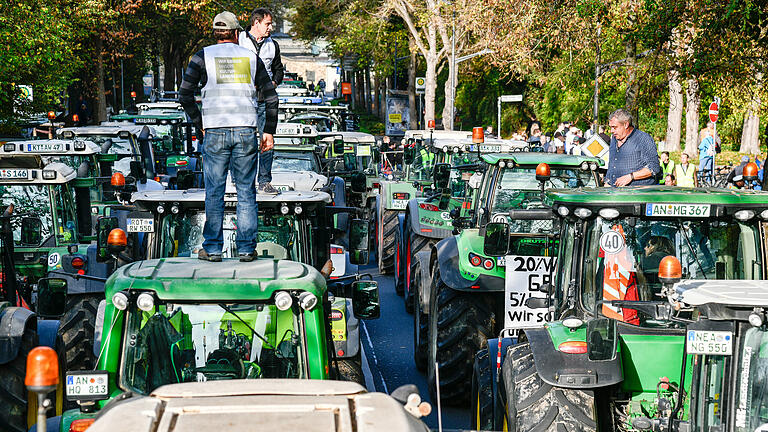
[232, 149]
[265, 162]
[705, 166]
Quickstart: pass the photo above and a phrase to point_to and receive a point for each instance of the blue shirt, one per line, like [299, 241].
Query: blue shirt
[637, 152]
[705, 145]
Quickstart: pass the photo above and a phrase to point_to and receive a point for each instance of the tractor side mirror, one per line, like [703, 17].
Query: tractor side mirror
[31, 231]
[601, 339]
[496, 239]
[358, 241]
[409, 154]
[338, 147]
[51, 297]
[103, 227]
[137, 170]
[442, 175]
[358, 182]
[365, 299]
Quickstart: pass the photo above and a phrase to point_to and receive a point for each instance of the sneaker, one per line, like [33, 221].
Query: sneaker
[205, 256]
[247, 257]
[268, 189]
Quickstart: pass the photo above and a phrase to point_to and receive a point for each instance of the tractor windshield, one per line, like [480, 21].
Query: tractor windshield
[30, 200]
[624, 256]
[175, 343]
[295, 161]
[517, 188]
[277, 235]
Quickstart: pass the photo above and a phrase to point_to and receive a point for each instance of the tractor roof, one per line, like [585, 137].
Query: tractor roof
[191, 279]
[53, 173]
[153, 118]
[435, 134]
[294, 108]
[49, 147]
[349, 137]
[160, 105]
[534, 158]
[198, 196]
[659, 194]
[722, 300]
[112, 129]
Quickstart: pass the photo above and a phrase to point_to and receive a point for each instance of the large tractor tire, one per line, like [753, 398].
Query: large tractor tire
[389, 226]
[77, 331]
[420, 326]
[398, 270]
[414, 244]
[482, 393]
[351, 369]
[533, 405]
[18, 407]
[460, 323]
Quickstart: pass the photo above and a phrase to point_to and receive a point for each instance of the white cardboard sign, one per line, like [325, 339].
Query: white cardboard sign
[524, 276]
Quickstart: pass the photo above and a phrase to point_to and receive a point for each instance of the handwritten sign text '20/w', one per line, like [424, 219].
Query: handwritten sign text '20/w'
[525, 304]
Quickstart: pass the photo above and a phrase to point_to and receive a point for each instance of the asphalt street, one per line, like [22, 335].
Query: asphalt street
[388, 349]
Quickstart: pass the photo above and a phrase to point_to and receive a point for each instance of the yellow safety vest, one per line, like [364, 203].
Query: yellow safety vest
[685, 177]
[669, 169]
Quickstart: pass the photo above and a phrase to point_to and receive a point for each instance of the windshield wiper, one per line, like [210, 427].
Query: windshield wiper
[690, 247]
[255, 333]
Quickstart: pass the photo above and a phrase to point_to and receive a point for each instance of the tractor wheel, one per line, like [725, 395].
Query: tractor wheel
[420, 328]
[351, 369]
[414, 244]
[18, 410]
[398, 272]
[77, 331]
[389, 226]
[460, 323]
[533, 404]
[482, 393]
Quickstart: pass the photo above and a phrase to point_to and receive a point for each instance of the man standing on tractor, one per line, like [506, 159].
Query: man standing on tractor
[256, 38]
[634, 160]
[229, 123]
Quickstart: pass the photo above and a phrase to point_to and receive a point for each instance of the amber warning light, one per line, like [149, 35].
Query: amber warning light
[478, 136]
[117, 180]
[749, 173]
[670, 270]
[543, 172]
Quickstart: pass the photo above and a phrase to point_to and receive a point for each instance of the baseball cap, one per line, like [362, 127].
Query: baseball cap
[745, 158]
[226, 21]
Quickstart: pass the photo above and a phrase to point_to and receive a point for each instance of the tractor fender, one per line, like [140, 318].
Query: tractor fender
[96, 268]
[496, 359]
[424, 230]
[571, 370]
[425, 276]
[13, 321]
[77, 284]
[447, 255]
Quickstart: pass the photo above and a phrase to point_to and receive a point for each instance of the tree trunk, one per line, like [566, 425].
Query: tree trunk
[377, 94]
[169, 74]
[431, 86]
[368, 101]
[412, 108]
[692, 117]
[675, 113]
[749, 135]
[100, 113]
[633, 87]
[449, 113]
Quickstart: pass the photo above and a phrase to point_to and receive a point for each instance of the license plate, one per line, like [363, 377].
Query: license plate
[677, 210]
[136, 225]
[709, 342]
[42, 148]
[399, 204]
[87, 385]
[490, 148]
[14, 174]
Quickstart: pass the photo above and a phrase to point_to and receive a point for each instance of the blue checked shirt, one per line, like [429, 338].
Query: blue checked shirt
[637, 152]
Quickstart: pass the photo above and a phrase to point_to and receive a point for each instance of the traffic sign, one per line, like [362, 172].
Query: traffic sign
[714, 112]
[421, 83]
[511, 98]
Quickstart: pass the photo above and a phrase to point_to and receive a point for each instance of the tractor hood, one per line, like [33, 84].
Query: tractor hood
[249, 405]
[190, 279]
[298, 180]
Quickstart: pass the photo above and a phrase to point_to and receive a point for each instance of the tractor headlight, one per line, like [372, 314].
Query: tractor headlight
[563, 211]
[307, 300]
[298, 209]
[608, 213]
[120, 301]
[756, 318]
[284, 209]
[582, 213]
[741, 215]
[145, 302]
[283, 300]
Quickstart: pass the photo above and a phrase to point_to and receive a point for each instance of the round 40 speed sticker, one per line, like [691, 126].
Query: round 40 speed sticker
[611, 242]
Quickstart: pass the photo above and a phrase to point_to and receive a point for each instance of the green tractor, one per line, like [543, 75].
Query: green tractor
[458, 288]
[293, 225]
[595, 340]
[429, 219]
[404, 175]
[173, 320]
[728, 343]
